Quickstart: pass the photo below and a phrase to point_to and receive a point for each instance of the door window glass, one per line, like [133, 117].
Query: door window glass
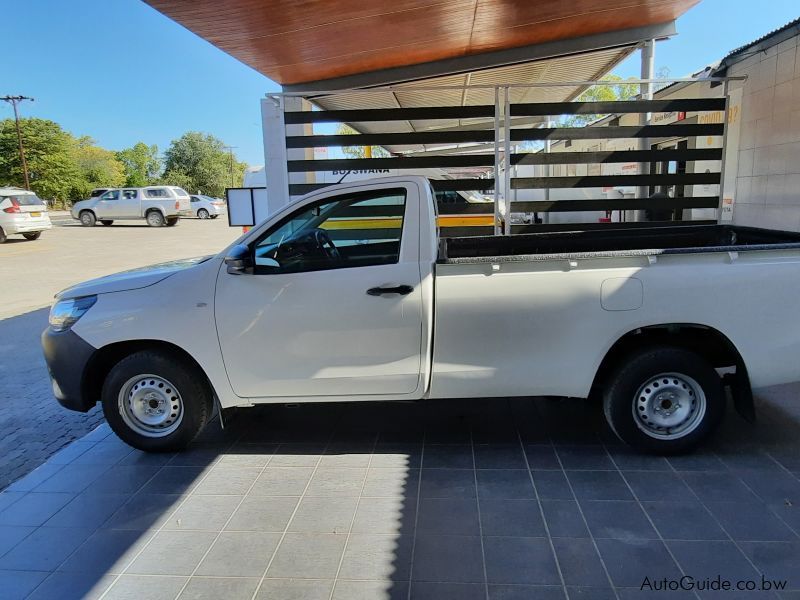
[355, 230]
[110, 195]
[129, 194]
[156, 193]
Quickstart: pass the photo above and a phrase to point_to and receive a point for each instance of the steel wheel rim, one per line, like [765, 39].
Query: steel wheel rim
[202, 213]
[150, 405]
[669, 406]
[154, 218]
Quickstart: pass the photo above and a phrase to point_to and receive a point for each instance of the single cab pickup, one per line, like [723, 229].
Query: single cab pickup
[348, 294]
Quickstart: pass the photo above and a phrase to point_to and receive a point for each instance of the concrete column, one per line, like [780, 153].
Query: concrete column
[648, 55]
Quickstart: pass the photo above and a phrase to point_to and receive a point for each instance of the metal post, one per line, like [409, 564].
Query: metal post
[725, 117]
[13, 100]
[496, 160]
[547, 172]
[507, 156]
[648, 53]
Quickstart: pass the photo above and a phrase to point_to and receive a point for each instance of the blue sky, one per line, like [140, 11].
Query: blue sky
[121, 72]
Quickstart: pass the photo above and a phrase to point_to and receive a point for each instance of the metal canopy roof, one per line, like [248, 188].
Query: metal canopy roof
[311, 41]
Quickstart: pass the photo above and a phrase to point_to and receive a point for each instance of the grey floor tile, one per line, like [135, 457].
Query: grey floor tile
[106, 551]
[263, 513]
[337, 482]
[377, 557]
[448, 456]
[347, 455]
[136, 587]
[452, 558]
[718, 487]
[448, 516]
[198, 455]
[248, 455]
[542, 457]
[400, 455]
[599, 485]
[208, 513]
[298, 455]
[709, 559]
[683, 521]
[630, 561]
[144, 511]
[647, 594]
[776, 560]
[591, 593]
[580, 563]
[697, 461]
[34, 508]
[500, 516]
[772, 486]
[240, 554]
[137, 458]
[72, 478]
[628, 459]
[282, 481]
[385, 515]
[308, 555]
[585, 457]
[751, 521]
[70, 452]
[370, 590]
[448, 483]
[122, 479]
[447, 591]
[174, 480]
[324, 515]
[44, 549]
[617, 519]
[295, 589]
[499, 456]
[789, 513]
[225, 479]
[564, 518]
[16, 585]
[10, 536]
[526, 592]
[502, 483]
[104, 453]
[8, 498]
[87, 510]
[172, 553]
[657, 486]
[520, 560]
[552, 485]
[391, 482]
[35, 478]
[216, 588]
[72, 586]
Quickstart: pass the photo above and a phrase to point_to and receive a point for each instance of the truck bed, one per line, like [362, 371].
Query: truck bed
[681, 239]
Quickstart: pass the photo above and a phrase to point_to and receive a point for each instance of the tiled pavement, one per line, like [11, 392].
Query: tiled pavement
[465, 499]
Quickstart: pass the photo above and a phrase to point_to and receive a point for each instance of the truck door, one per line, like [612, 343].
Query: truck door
[107, 205]
[129, 204]
[333, 306]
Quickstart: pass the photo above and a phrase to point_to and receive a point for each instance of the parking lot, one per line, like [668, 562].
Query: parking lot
[491, 498]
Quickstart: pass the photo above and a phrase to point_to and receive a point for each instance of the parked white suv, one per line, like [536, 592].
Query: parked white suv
[157, 204]
[22, 212]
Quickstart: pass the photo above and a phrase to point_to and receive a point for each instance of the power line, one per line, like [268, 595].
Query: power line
[13, 101]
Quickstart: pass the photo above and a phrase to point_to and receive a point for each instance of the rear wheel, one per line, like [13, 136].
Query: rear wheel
[34, 235]
[87, 218]
[214, 216]
[172, 221]
[203, 214]
[106, 222]
[155, 218]
[664, 400]
[156, 401]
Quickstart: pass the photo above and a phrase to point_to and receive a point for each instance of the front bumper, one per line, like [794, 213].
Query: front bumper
[67, 355]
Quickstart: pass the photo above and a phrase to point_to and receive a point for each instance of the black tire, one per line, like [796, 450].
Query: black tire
[106, 222]
[190, 385]
[155, 218]
[214, 216]
[87, 218]
[203, 214]
[172, 221]
[33, 235]
[3, 236]
[623, 394]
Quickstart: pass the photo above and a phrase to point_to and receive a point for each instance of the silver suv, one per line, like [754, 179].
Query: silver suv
[157, 204]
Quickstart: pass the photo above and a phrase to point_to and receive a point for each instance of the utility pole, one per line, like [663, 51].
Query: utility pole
[13, 101]
[230, 165]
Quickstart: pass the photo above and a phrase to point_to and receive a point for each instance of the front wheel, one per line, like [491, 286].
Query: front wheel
[155, 218]
[203, 214]
[106, 222]
[87, 218]
[156, 401]
[664, 400]
[34, 235]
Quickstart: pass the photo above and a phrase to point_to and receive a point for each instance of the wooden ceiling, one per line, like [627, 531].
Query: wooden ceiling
[298, 41]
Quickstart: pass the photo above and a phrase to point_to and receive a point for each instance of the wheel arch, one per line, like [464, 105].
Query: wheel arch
[701, 339]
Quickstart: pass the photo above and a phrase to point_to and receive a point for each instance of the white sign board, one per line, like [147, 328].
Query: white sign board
[246, 206]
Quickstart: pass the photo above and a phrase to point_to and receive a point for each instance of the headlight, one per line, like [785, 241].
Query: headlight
[65, 313]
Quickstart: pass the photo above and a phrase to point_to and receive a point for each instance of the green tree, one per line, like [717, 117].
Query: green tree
[601, 93]
[359, 151]
[141, 163]
[49, 152]
[199, 163]
[97, 166]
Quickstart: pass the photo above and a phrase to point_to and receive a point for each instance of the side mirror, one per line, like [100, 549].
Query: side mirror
[239, 259]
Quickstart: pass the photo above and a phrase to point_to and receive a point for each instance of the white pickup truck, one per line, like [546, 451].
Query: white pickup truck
[347, 294]
[158, 205]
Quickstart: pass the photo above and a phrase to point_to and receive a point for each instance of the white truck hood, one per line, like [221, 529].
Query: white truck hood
[130, 280]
